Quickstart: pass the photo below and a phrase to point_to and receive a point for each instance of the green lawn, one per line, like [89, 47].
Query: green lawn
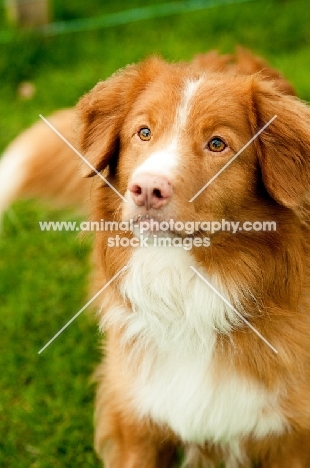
[46, 401]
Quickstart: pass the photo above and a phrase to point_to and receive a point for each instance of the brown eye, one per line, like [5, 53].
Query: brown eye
[144, 134]
[216, 144]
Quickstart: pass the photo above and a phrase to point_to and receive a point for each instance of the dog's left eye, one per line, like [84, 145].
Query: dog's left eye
[216, 144]
[144, 134]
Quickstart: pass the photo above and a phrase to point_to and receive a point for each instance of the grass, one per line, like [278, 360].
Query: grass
[46, 401]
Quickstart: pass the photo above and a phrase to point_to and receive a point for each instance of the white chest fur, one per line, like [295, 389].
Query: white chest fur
[177, 317]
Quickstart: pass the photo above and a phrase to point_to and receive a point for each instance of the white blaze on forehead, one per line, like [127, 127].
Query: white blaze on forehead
[165, 160]
[184, 109]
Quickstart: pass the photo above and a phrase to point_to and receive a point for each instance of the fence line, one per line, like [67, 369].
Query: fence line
[124, 17]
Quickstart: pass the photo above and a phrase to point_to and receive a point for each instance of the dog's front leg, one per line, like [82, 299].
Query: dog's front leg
[122, 439]
[122, 442]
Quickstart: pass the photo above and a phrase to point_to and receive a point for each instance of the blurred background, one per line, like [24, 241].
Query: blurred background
[51, 52]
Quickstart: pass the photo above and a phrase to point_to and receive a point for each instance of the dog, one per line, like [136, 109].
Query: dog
[39, 164]
[207, 335]
[181, 367]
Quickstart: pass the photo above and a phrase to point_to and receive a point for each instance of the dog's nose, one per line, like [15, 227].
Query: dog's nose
[151, 191]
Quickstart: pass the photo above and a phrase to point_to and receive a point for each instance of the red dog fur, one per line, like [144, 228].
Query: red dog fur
[181, 369]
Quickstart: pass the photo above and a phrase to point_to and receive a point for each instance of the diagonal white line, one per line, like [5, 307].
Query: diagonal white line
[233, 158]
[82, 157]
[235, 310]
[83, 308]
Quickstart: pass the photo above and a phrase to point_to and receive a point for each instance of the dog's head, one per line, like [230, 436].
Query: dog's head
[165, 131]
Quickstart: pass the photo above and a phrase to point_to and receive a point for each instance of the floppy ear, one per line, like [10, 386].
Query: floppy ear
[101, 112]
[247, 63]
[284, 146]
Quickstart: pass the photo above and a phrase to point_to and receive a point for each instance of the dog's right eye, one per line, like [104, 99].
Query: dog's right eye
[216, 144]
[145, 134]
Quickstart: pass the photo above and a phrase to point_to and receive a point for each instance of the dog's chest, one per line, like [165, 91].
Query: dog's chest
[175, 318]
